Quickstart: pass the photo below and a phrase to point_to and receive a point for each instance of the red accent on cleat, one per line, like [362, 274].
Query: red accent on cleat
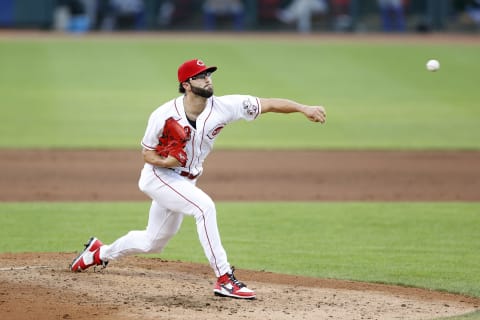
[89, 257]
[228, 286]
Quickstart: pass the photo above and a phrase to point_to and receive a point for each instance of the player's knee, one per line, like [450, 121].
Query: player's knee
[206, 209]
[208, 205]
[153, 246]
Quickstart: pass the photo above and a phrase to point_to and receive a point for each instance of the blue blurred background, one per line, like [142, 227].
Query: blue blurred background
[305, 16]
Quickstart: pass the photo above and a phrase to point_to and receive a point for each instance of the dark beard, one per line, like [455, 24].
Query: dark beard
[205, 93]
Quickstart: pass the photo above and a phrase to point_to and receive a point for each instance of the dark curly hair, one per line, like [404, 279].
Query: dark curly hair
[181, 89]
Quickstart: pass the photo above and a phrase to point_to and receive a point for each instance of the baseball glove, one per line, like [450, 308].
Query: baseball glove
[173, 141]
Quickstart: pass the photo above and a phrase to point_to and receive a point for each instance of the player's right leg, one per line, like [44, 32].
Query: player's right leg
[162, 225]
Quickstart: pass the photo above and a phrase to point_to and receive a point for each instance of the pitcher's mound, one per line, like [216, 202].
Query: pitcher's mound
[40, 286]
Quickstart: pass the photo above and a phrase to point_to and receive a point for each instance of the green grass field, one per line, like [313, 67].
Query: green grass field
[93, 93]
[98, 93]
[427, 245]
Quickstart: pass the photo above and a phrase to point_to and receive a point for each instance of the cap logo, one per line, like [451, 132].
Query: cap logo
[200, 63]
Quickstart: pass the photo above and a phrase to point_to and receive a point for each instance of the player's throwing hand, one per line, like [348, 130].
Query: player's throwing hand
[316, 114]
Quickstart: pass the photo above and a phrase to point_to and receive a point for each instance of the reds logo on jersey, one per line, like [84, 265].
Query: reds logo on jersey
[215, 131]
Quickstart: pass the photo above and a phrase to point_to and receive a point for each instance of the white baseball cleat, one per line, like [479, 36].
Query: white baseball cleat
[228, 286]
[89, 257]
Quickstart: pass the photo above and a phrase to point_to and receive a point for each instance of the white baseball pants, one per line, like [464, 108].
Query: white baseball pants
[173, 196]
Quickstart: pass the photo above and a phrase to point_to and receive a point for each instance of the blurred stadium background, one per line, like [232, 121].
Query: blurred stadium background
[461, 16]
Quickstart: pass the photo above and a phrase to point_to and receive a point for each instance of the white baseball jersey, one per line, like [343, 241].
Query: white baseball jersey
[219, 112]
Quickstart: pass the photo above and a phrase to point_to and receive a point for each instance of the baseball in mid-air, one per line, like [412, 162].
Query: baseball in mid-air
[433, 65]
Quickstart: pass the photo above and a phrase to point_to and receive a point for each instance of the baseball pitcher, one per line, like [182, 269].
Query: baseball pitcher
[179, 136]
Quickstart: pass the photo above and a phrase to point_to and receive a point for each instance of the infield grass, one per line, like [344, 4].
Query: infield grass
[425, 245]
[470, 316]
[98, 92]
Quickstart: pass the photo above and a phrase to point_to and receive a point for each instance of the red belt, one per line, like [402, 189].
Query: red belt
[188, 175]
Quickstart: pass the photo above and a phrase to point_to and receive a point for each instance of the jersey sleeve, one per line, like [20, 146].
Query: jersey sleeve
[153, 131]
[244, 107]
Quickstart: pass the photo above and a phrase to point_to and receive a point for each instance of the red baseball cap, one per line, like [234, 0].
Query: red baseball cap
[191, 68]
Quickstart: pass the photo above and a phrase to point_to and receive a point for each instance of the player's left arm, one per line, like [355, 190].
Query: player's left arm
[313, 113]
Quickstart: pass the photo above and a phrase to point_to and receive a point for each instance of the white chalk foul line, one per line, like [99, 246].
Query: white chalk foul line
[23, 268]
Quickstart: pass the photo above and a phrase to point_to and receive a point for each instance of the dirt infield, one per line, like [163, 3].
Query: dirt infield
[140, 288]
[45, 175]
[39, 286]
